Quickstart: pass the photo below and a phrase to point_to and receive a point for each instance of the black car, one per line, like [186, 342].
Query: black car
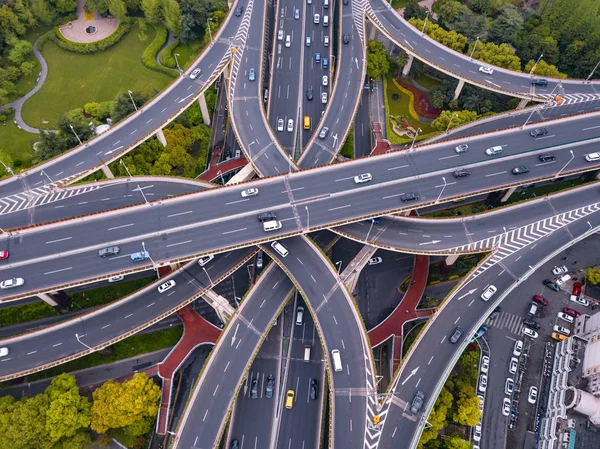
[551, 285]
[314, 389]
[239, 11]
[538, 132]
[539, 82]
[266, 216]
[547, 157]
[345, 2]
[309, 93]
[520, 170]
[269, 386]
[417, 402]
[410, 196]
[346, 38]
[235, 444]
[110, 251]
[495, 313]
[254, 389]
[463, 172]
[457, 334]
[531, 323]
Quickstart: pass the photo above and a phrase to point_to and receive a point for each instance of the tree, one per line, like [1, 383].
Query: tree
[123, 105]
[449, 11]
[69, 412]
[23, 423]
[19, 51]
[414, 10]
[377, 60]
[500, 55]
[100, 6]
[450, 39]
[125, 405]
[467, 411]
[437, 418]
[64, 6]
[41, 10]
[152, 10]
[506, 26]
[480, 6]
[454, 118]
[172, 15]
[117, 8]
[455, 442]
[592, 275]
[544, 69]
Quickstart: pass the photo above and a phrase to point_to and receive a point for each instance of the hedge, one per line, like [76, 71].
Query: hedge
[92, 47]
[149, 55]
[166, 56]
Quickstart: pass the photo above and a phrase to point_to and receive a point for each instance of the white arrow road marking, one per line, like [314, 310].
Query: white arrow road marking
[234, 334]
[433, 242]
[470, 292]
[412, 373]
[185, 98]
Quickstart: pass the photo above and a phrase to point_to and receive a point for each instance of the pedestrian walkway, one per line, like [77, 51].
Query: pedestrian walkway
[513, 323]
[406, 311]
[83, 30]
[197, 331]
[218, 169]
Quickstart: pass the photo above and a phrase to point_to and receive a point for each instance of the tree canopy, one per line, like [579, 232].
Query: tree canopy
[378, 62]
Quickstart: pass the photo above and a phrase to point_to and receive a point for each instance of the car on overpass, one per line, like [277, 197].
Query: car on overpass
[417, 402]
[253, 191]
[538, 132]
[3, 254]
[520, 170]
[363, 177]
[409, 196]
[269, 386]
[11, 283]
[489, 291]
[458, 332]
[462, 148]
[139, 256]
[289, 399]
[166, 286]
[462, 173]
[486, 69]
[195, 74]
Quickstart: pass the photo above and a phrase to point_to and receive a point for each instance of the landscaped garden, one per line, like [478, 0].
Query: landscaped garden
[76, 79]
[15, 144]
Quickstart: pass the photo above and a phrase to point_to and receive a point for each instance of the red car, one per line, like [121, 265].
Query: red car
[3, 254]
[573, 313]
[540, 300]
[577, 289]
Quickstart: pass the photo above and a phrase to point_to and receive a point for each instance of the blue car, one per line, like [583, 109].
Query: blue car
[318, 58]
[138, 257]
[325, 63]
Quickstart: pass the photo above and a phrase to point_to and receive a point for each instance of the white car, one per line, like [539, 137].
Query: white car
[562, 330]
[559, 270]
[482, 382]
[363, 177]
[513, 365]
[249, 192]
[195, 73]
[117, 278]
[166, 286]
[325, 80]
[10, 283]
[280, 124]
[506, 406]
[487, 70]
[280, 35]
[288, 41]
[290, 126]
[568, 318]
[532, 396]
[3, 352]
[204, 260]
[477, 433]
[578, 300]
[481, 402]
[324, 97]
[488, 292]
[485, 364]
[592, 157]
[317, 19]
[375, 260]
[518, 349]
[530, 332]
[509, 386]
[326, 41]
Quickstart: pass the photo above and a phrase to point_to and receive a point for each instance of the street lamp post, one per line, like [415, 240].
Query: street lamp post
[151, 260]
[79, 340]
[222, 180]
[592, 72]
[307, 217]
[449, 122]
[208, 276]
[126, 168]
[424, 23]
[441, 191]
[528, 118]
[474, 46]
[142, 192]
[177, 62]
[565, 166]
[209, 30]
[536, 63]
[73, 129]
[558, 86]
[412, 145]
[338, 264]
[7, 168]
[43, 173]
[131, 97]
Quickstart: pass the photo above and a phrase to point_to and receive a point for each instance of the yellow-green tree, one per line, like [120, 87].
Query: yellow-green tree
[500, 55]
[454, 119]
[593, 276]
[69, 412]
[130, 405]
[544, 69]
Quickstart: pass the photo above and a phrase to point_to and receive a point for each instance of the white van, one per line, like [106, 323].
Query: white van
[592, 157]
[271, 225]
[337, 360]
[307, 349]
[532, 310]
[279, 248]
[560, 280]
[325, 21]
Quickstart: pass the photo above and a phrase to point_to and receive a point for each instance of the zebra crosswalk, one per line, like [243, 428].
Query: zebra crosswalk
[508, 321]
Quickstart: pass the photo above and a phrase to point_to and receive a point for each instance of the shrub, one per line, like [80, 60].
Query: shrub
[2, 118]
[77, 47]
[166, 57]
[149, 55]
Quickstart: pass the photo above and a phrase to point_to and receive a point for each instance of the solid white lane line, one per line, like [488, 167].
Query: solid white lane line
[205, 413]
[226, 366]
[334, 319]
[58, 240]
[429, 363]
[302, 263]
[494, 174]
[448, 184]
[32, 352]
[545, 137]
[238, 201]
[392, 196]
[215, 392]
[180, 213]
[150, 305]
[591, 127]
[177, 244]
[105, 326]
[448, 157]
[457, 320]
[398, 167]
[443, 338]
[344, 179]
[119, 227]
[57, 344]
[235, 230]
[130, 315]
[339, 207]
[58, 271]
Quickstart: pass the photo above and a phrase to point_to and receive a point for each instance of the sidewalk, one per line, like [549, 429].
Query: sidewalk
[406, 311]
[197, 331]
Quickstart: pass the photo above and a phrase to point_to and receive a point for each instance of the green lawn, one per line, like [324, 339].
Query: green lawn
[400, 108]
[397, 4]
[16, 143]
[76, 79]
[26, 83]
[188, 53]
[426, 81]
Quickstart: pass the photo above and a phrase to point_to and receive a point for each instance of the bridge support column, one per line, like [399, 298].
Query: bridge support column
[204, 109]
[451, 259]
[508, 193]
[245, 174]
[58, 300]
[372, 31]
[161, 137]
[523, 103]
[407, 66]
[107, 172]
[459, 88]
